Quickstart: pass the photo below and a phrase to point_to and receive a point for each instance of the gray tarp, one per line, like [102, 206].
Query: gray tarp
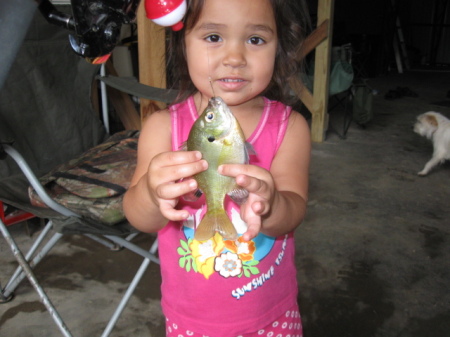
[45, 107]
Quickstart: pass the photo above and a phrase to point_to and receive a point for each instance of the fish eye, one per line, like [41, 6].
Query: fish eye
[209, 116]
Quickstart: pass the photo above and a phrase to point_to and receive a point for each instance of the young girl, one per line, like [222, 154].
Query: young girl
[243, 52]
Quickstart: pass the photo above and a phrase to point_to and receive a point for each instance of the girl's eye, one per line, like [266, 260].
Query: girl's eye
[213, 38]
[209, 117]
[256, 40]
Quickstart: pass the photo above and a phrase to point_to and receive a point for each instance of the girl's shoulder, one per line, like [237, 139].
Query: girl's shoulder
[294, 117]
[156, 128]
[157, 120]
[298, 129]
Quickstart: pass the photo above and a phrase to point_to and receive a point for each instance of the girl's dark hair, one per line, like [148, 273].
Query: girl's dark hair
[293, 23]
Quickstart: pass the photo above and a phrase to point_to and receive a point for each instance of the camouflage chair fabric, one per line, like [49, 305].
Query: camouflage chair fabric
[93, 184]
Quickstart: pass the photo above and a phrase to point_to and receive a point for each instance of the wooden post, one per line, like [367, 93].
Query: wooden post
[322, 73]
[311, 42]
[152, 67]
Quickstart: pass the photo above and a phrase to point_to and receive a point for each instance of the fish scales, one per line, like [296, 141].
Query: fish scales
[218, 136]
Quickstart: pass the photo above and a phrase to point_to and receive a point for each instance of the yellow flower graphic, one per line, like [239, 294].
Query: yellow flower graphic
[204, 253]
[244, 249]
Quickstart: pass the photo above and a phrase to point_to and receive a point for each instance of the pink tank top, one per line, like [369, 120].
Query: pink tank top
[223, 288]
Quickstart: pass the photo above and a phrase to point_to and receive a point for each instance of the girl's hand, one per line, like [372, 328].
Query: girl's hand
[166, 180]
[261, 187]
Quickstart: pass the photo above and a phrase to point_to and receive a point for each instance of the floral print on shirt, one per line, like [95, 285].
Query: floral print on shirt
[227, 258]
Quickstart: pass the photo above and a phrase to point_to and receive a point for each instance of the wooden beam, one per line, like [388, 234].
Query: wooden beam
[311, 42]
[313, 39]
[151, 50]
[303, 93]
[322, 73]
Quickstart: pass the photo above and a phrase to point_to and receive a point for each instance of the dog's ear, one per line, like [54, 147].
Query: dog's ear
[431, 120]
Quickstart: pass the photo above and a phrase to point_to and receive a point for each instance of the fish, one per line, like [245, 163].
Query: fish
[219, 137]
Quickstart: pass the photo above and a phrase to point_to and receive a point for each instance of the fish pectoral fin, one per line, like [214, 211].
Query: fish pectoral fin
[249, 151]
[193, 196]
[212, 223]
[183, 146]
[238, 195]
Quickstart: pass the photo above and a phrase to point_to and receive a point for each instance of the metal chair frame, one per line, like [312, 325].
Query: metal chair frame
[39, 249]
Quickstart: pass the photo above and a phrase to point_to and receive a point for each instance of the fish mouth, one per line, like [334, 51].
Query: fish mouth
[218, 104]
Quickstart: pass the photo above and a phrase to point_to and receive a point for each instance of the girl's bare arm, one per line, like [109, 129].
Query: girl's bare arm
[277, 199]
[155, 187]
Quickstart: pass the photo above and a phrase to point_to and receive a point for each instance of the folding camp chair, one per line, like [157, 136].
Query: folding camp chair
[45, 113]
[72, 223]
[341, 82]
[340, 88]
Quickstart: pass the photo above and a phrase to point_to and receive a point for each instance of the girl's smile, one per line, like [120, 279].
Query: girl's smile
[230, 84]
[231, 49]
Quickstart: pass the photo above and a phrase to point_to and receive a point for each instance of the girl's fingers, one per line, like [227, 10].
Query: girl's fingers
[233, 170]
[251, 184]
[253, 228]
[253, 178]
[172, 214]
[176, 158]
[177, 172]
[175, 190]
[167, 174]
[259, 207]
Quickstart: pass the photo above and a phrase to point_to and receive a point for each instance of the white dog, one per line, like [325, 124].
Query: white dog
[435, 127]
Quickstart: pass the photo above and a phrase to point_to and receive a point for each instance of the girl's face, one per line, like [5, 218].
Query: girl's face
[232, 47]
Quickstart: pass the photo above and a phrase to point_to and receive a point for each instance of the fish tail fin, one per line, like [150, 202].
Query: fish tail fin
[225, 227]
[212, 223]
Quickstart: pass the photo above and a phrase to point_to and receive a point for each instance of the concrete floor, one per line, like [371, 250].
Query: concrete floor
[373, 252]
